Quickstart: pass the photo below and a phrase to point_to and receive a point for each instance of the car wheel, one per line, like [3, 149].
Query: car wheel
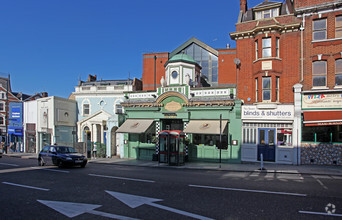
[60, 164]
[41, 162]
[83, 165]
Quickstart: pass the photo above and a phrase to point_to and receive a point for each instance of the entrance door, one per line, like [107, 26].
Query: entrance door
[266, 144]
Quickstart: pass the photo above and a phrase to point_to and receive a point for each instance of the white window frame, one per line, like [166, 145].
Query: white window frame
[320, 74]
[319, 29]
[273, 12]
[277, 88]
[338, 28]
[277, 47]
[264, 48]
[256, 50]
[338, 73]
[266, 89]
[256, 89]
[86, 102]
[4, 106]
[3, 121]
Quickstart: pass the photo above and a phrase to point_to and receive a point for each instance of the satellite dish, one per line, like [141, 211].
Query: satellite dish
[237, 61]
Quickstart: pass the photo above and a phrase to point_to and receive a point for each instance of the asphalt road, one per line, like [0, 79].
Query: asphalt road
[102, 191]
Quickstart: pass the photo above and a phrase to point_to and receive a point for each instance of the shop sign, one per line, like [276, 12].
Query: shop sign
[324, 100]
[282, 112]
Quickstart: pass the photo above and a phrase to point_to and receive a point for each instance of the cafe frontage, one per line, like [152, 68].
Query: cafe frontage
[182, 121]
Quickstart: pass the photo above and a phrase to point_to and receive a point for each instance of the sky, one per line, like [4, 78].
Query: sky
[49, 45]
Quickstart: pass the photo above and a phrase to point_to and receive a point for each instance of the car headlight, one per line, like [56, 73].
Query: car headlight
[68, 158]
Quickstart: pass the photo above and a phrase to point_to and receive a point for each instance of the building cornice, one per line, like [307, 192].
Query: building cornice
[265, 29]
[318, 7]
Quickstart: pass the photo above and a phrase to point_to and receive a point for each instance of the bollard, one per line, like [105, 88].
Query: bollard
[262, 162]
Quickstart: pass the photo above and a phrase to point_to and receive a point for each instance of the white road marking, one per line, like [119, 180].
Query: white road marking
[321, 183]
[320, 213]
[25, 186]
[9, 164]
[122, 178]
[249, 190]
[53, 170]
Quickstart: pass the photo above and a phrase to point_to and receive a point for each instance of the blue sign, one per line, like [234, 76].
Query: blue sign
[15, 130]
[15, 114]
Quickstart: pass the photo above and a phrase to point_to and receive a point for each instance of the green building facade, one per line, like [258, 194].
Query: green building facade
[202, 113]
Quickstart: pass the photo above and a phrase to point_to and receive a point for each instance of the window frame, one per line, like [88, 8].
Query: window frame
[264, 48]
[2, 106]
[84, 108]
[256, 50]
[338, 28]
[319, 30]
[277, 88]
[256, 89]
[267, 89]
[277, 47]
[273, 12]
[320, 74]
[338, 73]
[3, 120]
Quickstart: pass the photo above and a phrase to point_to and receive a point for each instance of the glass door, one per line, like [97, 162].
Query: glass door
[266, 143]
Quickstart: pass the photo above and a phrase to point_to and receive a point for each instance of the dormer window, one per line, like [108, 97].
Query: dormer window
[269, 13]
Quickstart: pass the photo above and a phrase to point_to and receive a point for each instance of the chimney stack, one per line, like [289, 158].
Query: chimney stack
[243, 6]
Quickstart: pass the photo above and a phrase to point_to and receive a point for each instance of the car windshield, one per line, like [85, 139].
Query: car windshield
[64, 150]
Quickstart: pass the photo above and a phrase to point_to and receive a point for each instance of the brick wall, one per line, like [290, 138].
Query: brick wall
[148, 69]
[329, 49]
[226, 67]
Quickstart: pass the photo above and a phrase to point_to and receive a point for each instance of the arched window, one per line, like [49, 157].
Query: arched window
[85, 108]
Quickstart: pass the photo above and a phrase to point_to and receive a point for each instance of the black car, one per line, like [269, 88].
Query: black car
[61, 156]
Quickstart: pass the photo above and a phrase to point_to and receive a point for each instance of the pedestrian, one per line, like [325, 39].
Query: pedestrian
[94, 150]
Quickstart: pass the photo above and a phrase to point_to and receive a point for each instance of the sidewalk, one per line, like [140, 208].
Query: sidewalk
[250, 167]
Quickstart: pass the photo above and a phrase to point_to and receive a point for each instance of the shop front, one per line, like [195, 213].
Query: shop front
[192, 118]
[268, 130]
[322, 128]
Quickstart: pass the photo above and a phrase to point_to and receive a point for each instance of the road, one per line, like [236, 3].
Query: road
[105, 191]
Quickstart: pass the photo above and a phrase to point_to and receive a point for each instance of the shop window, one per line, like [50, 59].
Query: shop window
[266, 88]
[249, 135]
[338, 27]
[319, 29]
[319, 73]
[86, 109]
[266, 47]
[269, 13]
[256, 50]
[322, 134]
[284, 137]
[338, 72]
[209, 140]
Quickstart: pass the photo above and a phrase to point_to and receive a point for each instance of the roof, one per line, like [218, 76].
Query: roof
[181, 58]
[107, 82]
[191, 41]
[266, 4]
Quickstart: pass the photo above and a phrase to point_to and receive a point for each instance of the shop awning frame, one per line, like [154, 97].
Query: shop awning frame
[135, 126]
[206, 127]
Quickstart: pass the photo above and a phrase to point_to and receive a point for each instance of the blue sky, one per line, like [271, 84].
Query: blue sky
[48, 45]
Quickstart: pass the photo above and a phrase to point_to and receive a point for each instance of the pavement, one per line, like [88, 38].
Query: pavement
[243, 167]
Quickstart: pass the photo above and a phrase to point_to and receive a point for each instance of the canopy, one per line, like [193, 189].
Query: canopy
[206, 126]
[136, 126]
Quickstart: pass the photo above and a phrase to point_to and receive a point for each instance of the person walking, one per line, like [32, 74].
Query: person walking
[94, 150]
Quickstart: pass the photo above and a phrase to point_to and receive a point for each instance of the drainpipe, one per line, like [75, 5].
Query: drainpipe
[155, 77]
[302, 49]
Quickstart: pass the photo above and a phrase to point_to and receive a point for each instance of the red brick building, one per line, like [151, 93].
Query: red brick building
[321, 79]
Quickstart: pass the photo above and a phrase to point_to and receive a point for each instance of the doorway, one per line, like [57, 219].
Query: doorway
[266, 144]
[172, 124]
